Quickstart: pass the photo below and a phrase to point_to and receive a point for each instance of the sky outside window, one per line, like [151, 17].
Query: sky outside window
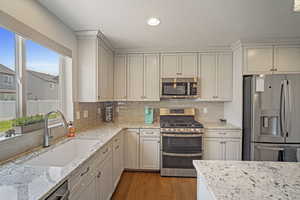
[38, 57]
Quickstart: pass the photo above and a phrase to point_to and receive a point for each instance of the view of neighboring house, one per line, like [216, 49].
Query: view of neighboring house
[41, 86]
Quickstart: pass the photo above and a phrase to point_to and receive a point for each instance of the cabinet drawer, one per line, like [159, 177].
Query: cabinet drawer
[223, 133]
[117, 140]
[105, 151]
[82, 176]
[150, 132]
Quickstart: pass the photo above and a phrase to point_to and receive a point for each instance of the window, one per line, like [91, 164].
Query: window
[7, 74]
[33, 85]
[42, 67]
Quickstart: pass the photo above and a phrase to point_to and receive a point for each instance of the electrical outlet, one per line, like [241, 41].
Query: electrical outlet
[78, 115]
[205, 111]
[99, 111]
[85, 114]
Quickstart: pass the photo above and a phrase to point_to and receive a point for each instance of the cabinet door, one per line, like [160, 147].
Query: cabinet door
[110, 76]
[213, 149]
[131, 149]
[89, 192]
[120, 81]
[105, 180]
[151, 80]
[170, 66]
[233, 149]
[149, 153]
[225, 76]
[117, 158]
[208, 76]
[287, 59]
[258, 60]
[188, 65]
[135, 77]
[103, 73]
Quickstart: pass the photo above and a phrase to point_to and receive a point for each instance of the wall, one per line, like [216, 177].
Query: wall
[134, 111]
[233, 111]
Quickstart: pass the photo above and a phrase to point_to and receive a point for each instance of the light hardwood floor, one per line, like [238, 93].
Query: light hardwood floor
[151, 186]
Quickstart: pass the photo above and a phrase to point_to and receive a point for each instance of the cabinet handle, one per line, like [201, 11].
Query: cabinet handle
[117, 147]
[105, 151]
[275, 70]
[86, 171]
[116, 140]
[223, 133]
[99, 174]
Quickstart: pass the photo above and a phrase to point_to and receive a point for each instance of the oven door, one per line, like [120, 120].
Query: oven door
[179, 161]
[174, 89]
[182, 143]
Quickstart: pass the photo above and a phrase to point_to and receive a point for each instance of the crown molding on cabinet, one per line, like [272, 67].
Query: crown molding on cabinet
[96, 34]
[291, 41]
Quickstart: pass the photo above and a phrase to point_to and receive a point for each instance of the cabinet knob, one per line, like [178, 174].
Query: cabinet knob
[99, 174]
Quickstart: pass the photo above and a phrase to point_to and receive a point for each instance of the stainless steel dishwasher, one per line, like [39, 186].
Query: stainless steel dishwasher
[61, 193]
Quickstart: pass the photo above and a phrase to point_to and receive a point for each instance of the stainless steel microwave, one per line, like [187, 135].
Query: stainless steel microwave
[179, 88]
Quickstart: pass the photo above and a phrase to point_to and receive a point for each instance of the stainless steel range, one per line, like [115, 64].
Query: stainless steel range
[181, 141]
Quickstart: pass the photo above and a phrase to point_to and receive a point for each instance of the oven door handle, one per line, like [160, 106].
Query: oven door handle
[181, 135]
[182, 154]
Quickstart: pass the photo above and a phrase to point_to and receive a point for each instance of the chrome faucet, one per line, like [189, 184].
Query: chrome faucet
[46, 128]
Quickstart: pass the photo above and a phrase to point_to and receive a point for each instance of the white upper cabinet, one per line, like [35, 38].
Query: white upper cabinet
[287, 59]
[95, 68]
[216, 76]
[169, 65]
[143, 77]
[208, 65]
[120, 78]
[188, 65]
[135, 77]
[179, 65]
[258, 60]
[225, 76]
[272, 60]
[151, 77]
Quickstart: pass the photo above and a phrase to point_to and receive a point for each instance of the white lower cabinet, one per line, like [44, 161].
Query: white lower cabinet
[105, 180]
[149, 153]
[222, 145]
[89, 192]
[132, 142]
[142, 149]
[118, 160]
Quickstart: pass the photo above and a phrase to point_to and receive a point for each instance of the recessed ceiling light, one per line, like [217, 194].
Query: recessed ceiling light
[153, 21]
[297, 6]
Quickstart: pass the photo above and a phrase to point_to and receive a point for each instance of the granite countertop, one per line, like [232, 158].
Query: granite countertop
[219, 125]
[250, 180]
[19, 181]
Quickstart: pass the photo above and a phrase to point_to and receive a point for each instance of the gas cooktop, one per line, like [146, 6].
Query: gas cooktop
[181, 124]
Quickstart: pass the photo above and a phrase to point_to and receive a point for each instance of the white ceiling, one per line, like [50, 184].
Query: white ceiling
[185, 24]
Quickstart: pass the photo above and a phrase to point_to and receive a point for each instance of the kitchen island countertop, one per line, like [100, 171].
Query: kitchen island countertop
[247, 180]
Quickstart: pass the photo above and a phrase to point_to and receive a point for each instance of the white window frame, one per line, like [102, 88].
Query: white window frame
[21, 78]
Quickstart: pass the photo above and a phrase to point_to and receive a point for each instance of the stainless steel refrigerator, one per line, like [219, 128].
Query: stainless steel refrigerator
[271, 118]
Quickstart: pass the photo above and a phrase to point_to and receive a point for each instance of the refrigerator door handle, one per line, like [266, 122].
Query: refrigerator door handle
[289, 108]
[281, 111]
[270, 148]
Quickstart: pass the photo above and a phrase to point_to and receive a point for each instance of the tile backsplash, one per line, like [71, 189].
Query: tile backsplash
[134, 111]
[88, 115]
